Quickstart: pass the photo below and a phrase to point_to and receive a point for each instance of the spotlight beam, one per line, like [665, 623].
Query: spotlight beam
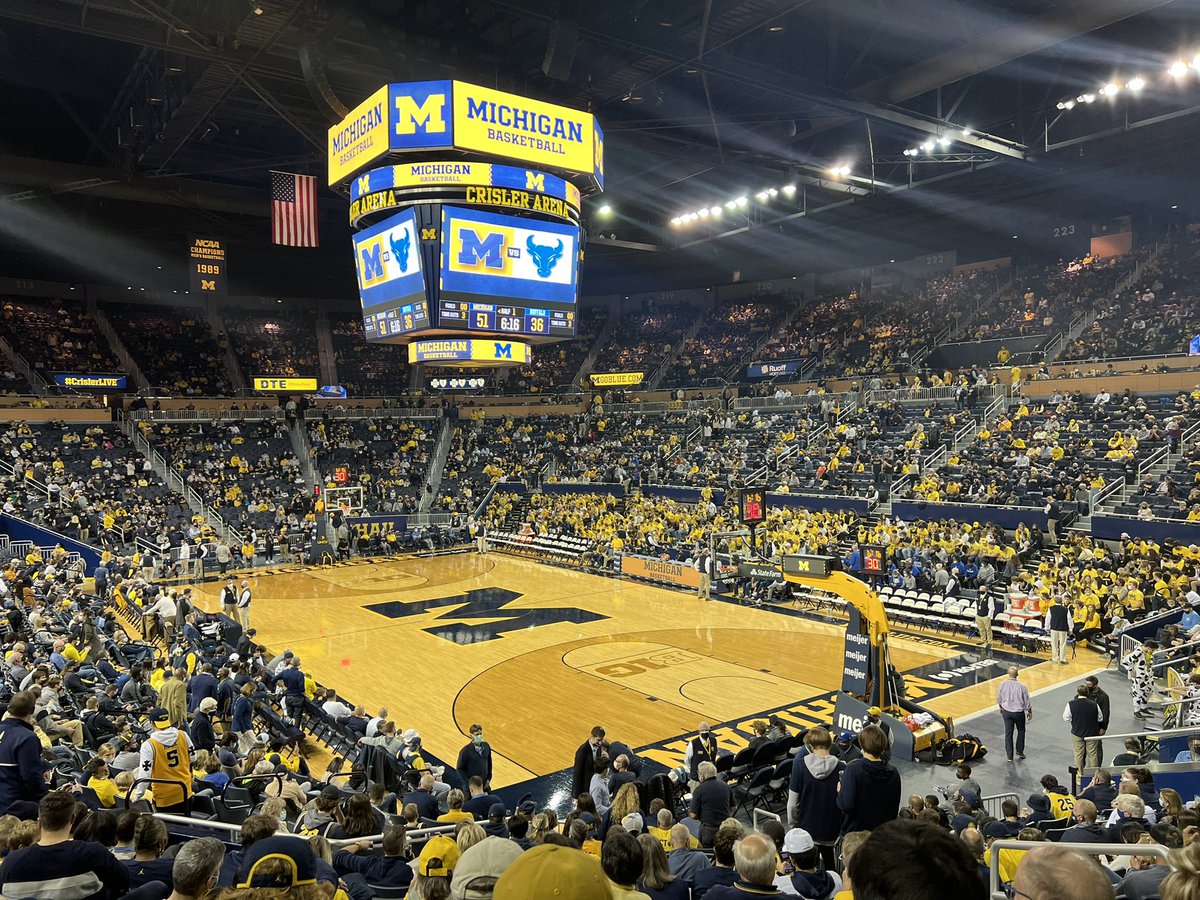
[739, 70]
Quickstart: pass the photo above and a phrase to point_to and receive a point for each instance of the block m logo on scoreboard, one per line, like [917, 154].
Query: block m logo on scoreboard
[426, 117]
[371, 270]
[486, 248]
[419, 115]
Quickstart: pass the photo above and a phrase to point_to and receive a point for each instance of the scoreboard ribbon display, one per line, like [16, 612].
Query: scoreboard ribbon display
[466, 174]
[206, 264]
[486, 255]
[432, 115]
[467, 351]
[475, 184]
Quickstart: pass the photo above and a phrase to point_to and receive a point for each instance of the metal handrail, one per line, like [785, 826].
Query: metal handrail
[412, 835]
[792, 401]
[393, 412]
[1157, 850]
[203, 415]
[993, 804]
[1152, 460]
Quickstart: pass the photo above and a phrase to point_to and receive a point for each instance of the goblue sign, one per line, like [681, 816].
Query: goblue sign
[488, 255]
[387, 258]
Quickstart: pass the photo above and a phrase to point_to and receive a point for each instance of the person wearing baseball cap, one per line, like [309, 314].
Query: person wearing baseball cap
[481, 866]
[553, 872]
[806, 879]
[278, 862]
[495, 824]
[436, 864]
[167, 755]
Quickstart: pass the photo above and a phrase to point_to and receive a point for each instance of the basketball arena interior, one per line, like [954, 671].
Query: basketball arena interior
[425, 424]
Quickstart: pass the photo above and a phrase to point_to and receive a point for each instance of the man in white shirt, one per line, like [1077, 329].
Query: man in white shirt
[375, 721]
[335, 707]
[243, 605]
[164, 609]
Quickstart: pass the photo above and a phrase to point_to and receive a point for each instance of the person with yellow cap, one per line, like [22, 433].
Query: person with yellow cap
[553, 872]
[435, 866]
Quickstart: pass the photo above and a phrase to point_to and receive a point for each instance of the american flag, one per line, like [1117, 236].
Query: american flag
[293, 209]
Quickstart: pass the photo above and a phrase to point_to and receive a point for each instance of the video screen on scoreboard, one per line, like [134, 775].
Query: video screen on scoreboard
[507, 274]
[391, 280]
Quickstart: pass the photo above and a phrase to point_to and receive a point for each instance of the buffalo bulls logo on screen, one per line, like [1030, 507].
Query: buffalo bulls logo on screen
[545, 258]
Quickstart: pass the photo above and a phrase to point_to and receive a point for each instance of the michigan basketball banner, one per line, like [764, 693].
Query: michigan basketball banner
[360, 138]
[465, 351]
[665, 571]
[616, 379]
[501, 124]
[435, 115]
[269, 383]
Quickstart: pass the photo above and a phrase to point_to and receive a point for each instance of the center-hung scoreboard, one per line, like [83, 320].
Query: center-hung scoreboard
[466, 207]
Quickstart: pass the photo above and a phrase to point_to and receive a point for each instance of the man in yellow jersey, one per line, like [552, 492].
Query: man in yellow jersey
[166, 756]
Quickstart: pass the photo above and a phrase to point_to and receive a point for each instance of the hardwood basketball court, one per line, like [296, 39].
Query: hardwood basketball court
[539, 654]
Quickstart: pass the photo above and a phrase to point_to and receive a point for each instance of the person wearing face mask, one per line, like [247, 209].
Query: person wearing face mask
[475, 759]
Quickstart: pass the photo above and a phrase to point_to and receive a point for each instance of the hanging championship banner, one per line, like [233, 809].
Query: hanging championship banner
[207, 265]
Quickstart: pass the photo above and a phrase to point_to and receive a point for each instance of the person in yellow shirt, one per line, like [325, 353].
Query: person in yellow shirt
[455, 801]
[100, 782]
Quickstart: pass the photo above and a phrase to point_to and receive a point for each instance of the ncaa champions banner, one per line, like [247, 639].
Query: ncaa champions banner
[206, 265]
